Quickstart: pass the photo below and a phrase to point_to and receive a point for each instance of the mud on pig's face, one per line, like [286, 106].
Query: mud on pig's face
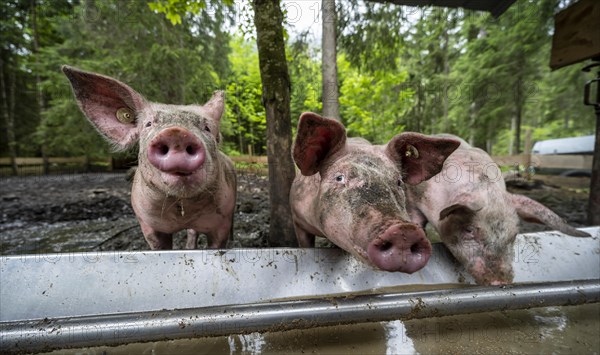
[480, 226]
[361, 197]
[178, 148]
[178, 144]
[361, 201]
[480, 232]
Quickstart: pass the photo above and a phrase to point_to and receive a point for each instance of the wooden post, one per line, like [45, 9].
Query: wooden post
[45, 162]
[594, 199]
[576, 39]
[528, 154]
[331, 103]
[275, 80]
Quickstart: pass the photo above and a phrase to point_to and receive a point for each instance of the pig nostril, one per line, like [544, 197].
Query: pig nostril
[415, 248]
[191, 150]
[385, 246]
[163, 149]
[401, 247]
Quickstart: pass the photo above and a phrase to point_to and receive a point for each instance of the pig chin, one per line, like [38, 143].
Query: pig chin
[491, 278]
[484, 275]
[183, 184]
[180, 184]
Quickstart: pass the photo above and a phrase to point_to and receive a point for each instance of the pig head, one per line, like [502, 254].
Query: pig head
[476, 218]
[183, 181]
[352, 192]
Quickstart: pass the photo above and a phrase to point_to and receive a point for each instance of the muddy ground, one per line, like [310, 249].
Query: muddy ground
[92, 212]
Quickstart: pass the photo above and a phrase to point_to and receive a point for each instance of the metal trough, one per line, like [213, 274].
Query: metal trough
[52, 301]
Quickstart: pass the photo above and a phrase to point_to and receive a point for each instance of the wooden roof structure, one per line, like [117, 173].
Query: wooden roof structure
[496, 8]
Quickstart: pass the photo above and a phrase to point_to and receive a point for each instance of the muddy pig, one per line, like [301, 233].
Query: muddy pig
[182, 181]
[352, 192]
[476, 218]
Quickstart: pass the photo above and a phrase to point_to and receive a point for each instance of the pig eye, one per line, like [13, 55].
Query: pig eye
[469, 231]
[125, 115]
[399, 182]
[341, 179]
[148, 124]
[207, 129]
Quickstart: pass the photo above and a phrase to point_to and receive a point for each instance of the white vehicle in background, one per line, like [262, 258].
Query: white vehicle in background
[581, 148]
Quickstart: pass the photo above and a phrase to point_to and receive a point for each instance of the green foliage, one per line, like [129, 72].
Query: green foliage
[373, 104]
[126, 40]
[470, 74]
[305, 77]
[17, 52]
[63, 130]
[176, 10]
[424, 69]
[245, 117]
[371, 33]
[245, 113]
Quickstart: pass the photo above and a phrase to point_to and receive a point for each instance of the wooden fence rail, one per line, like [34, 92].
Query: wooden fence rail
[37, 166]
[39, 161]
[259, 163]
[250, 159]
[575, 162]
[23, 161]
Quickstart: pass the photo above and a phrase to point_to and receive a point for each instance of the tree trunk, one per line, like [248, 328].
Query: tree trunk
[275, 80]
[239, 131]
[517, 129]
[331, 103]
[8, 114]
[594, 199]
[511, 144]
[38, 82]
[473, 112]
[519, 100]
[446, 49]
[489, 145]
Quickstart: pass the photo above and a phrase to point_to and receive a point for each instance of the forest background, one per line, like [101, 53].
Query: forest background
[430, 70]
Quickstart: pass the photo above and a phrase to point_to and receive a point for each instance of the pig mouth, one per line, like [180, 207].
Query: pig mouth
[181, 179]
[486, 275]
[178, 174]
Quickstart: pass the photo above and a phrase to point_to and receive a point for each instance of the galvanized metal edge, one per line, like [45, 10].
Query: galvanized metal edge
[114, 329]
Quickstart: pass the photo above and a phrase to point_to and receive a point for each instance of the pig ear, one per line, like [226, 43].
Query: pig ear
[317, 138]
[464, 204]
[534, 212]
[456, 209]
[421, 156]
[110, 105]
[216, 105]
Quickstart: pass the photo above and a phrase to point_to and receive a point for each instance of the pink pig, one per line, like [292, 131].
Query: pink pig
[352, 192]
[476, 218]
[183, 181]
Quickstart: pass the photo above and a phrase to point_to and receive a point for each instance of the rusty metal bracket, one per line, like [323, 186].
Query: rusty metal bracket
[587, 88]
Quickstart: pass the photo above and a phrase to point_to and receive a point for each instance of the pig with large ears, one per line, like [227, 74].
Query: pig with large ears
[352, 192]
[183, 181]
[476, 218]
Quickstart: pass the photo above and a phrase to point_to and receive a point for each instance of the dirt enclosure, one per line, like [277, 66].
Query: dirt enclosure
[92, 212]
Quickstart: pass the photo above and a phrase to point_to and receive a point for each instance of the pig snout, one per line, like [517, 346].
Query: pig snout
[402, 247]
[177, 151]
